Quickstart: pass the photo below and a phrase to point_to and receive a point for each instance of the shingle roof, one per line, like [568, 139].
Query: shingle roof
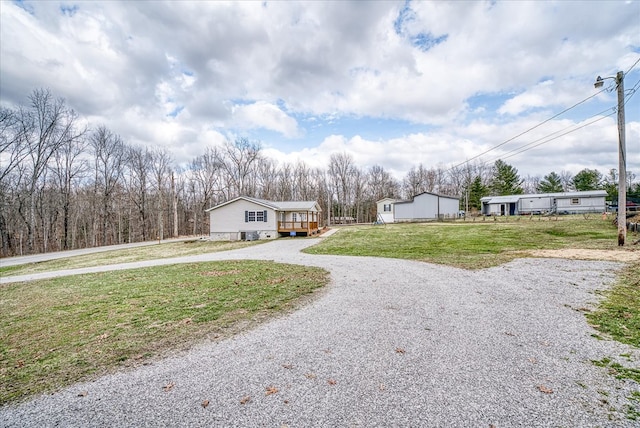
[278, 206]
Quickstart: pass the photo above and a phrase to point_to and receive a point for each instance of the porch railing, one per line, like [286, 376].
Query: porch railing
[297, 225]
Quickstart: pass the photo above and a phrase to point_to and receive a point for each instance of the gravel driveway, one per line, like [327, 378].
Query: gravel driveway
[390, 343]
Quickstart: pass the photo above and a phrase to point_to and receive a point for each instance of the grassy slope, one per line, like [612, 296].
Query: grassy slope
[162, 251]
[56, 332]
[468, 245]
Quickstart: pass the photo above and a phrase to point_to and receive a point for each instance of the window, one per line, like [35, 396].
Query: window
[294, 216]
[575, 201]
[253, 216]
[387, 208]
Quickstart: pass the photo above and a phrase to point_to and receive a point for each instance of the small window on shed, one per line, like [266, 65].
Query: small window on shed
[575, 201]
[387, 208]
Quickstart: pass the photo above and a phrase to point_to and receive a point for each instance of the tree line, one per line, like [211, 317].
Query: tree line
[64, 185]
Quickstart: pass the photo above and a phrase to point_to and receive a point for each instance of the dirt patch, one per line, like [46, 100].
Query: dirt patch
[622, 255]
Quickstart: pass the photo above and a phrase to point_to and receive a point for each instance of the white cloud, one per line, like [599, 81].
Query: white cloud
[187, 74]
[264, 115]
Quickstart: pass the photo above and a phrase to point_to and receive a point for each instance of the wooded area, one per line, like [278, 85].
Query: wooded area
[65, 186]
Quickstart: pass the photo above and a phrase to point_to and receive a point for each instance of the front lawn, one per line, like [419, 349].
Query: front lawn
[56, 332]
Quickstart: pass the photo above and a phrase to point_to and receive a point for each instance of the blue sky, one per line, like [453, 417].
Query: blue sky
[391, 83]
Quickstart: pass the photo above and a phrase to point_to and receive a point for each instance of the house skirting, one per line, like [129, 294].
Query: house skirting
[244, 235]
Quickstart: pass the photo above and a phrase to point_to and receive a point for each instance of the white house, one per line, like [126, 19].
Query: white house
[423, 207]
[562, 203]
[245, 218]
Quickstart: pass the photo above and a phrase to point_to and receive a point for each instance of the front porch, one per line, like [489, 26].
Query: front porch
[299, 227]
[298, 223]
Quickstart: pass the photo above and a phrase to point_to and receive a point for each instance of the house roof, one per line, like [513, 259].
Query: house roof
[387, 199]
[277, 206]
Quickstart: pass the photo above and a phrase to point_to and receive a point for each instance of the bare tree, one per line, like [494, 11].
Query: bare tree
[206, 173]
[161, 167]
[380, 184]
[47, 126]
[13, 140]
[566, 178]
[139, 166]
[341, 170]
[266, 178]
[285, 183]
[109, 152]
[69, 167]
[239, 161]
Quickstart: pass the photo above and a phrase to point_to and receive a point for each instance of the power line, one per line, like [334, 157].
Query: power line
[561, 135]
[529, 130]
[546, 138]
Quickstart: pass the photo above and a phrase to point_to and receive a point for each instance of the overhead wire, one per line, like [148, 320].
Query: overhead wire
[550, 137]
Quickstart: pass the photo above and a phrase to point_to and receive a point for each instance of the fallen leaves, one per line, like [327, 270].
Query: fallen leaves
[331, 382]
[310, 375]
[220, 272]
[400, 351]
[287, 366]
[545, 390]
[168, 387]
[245, 399]
[205, 403]
[82, 394]
[271, 390]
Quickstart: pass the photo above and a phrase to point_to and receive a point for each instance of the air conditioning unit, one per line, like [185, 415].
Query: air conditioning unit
[252, 236]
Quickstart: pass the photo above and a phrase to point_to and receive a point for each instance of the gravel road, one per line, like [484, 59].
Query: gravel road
[390, 343]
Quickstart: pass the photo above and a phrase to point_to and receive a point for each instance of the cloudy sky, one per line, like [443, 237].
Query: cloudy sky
[391, 83]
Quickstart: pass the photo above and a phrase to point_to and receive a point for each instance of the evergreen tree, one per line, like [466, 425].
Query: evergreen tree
[505, 180]
[551, 183]
[588, 179]
[476, 192]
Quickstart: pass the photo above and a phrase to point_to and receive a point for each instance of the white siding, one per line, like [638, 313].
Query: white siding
[228, 221]
[532, 203]
[387, 216]
[585, 204]
[426, 206]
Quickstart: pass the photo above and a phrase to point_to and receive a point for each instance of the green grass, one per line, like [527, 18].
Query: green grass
[151, 252]
[618, 316]
[619, 371]
[470, 245]
[59, 331]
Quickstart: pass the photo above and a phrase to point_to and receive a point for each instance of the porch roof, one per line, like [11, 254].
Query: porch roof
[502, 199]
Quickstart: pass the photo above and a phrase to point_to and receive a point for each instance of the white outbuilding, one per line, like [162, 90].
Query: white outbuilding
[592, 201]
[423, 207]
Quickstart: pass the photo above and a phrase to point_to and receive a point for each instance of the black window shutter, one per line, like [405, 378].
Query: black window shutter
[265, 216]
[246, 216]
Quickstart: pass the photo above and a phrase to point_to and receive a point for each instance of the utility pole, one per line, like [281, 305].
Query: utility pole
[622, 159]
